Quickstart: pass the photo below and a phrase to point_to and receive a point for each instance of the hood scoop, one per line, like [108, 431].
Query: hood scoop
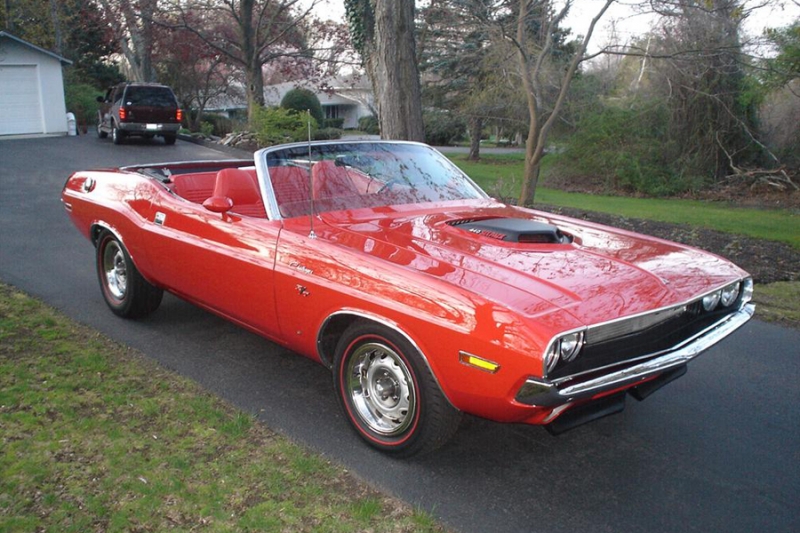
[518, 230]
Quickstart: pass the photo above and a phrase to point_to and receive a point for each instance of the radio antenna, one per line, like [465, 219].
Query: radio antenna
[311, 234]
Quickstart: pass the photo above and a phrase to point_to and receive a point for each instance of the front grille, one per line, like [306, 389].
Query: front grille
[640, 337]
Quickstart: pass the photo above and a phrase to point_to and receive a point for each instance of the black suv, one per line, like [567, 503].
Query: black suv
[143, 109]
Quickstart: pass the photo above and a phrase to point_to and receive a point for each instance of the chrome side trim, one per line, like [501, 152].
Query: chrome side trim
[384, 322]
[544, 393]
[210, 162]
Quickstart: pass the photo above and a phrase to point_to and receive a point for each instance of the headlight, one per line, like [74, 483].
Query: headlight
[729, 294]
[551, 358]
[570, 346]
[747, 290]
[565, 348]
[710, 301]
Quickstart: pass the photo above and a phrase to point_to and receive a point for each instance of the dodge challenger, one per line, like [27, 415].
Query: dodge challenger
[425, 297]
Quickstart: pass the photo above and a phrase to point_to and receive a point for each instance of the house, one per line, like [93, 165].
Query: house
[348, 99]
[31, 89]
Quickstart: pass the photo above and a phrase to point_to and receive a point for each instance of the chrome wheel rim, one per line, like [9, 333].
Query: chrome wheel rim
[381, 389]
[115, 270]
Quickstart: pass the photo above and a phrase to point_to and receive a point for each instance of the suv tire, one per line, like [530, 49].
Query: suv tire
[117, 135]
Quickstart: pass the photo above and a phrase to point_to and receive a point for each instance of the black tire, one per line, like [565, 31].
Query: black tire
[388, 394]
[169, 139]
[117, 135]
[124, 289]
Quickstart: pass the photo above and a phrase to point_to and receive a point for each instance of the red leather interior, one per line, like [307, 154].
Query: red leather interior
[291, 186]
[241, 186]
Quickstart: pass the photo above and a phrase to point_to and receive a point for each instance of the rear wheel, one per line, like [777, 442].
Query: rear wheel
[124, 289]
[169, 139]
[117, 135]
[388, 393]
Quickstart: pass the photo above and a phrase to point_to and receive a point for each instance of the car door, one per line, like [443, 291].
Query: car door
[224, 262]
[105, 107]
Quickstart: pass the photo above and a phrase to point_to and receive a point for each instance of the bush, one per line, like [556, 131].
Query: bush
[221, 125]
[81, 99]
[337, 123]
[300, 100]
[327, 134]
[275, 125]
[443, 128]
[627, 150]
[206, 128]
[369, 124]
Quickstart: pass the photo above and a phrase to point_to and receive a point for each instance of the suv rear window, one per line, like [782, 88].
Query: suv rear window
[150, 96]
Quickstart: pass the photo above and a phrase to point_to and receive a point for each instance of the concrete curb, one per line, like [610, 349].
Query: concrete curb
[236, 152]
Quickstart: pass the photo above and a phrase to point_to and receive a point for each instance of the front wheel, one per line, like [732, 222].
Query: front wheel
[388, 393]
[124, 289]
[100, 132]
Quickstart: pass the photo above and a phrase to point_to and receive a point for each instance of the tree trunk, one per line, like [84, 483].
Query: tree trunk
[132, 26]
[253, 74]
[392, 67]
[255, 90]
[54, 15]
[530, 68]
[475, 128]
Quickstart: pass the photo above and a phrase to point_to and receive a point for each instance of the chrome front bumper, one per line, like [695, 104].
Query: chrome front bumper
[544, 393]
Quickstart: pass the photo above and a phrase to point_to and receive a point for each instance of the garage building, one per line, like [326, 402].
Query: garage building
[31, 89]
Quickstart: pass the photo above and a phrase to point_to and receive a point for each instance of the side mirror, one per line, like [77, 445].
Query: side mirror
[218, 204]
[100, 99]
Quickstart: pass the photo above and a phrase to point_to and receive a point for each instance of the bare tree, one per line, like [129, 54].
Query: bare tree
[383, 33]
[537, 23]
[132, 24]
[250, 34]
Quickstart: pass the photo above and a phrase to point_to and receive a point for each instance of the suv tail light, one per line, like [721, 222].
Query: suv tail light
[123, 113]
[179, 115]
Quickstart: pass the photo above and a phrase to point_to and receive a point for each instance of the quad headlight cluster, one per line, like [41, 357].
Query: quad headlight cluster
[729, 294]
[564, 348]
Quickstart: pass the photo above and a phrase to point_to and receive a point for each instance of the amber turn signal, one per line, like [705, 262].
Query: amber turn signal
[478, 362]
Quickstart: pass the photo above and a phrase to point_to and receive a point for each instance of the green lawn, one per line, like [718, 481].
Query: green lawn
[97, 438]
[501, 175]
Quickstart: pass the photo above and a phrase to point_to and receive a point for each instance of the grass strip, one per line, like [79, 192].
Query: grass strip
[96, 437]
[501, 175]
[779, 302]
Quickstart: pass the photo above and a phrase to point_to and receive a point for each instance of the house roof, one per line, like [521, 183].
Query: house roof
[7, 35]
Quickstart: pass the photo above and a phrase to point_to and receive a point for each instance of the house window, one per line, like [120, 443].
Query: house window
[331, 111]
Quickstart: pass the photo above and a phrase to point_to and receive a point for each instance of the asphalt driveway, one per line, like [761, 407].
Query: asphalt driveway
[718, 450]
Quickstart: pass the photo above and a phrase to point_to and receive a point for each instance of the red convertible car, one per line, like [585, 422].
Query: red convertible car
[425, 297]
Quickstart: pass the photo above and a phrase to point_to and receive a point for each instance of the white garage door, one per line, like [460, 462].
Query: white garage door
[20, 105]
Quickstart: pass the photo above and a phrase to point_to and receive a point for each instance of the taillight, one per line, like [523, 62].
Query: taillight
[123, 113]
[179, 115]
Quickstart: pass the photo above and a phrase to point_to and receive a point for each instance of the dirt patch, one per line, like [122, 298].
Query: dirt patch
[766, 261]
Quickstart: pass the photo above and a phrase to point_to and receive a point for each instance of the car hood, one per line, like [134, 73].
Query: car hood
[602, 274]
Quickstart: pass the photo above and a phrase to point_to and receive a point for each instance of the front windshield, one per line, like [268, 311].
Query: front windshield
[343, 176]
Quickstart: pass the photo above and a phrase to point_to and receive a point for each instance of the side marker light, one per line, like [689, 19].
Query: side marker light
[478, 362]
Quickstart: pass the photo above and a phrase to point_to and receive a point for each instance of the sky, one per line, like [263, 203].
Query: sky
[775, 13]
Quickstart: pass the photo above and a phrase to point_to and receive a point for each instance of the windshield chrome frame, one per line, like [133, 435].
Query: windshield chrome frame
[271, 204]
